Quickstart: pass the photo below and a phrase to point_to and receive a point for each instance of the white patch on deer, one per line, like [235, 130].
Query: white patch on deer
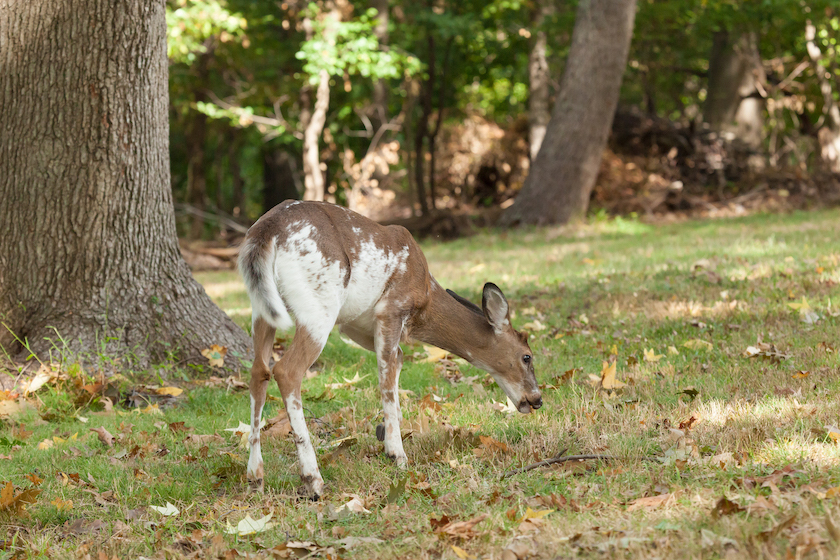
[311, 286]
[255, 459]
[370, 273]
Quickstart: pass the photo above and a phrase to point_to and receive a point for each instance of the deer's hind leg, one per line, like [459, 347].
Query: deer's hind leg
[260, 374]
[289, 373]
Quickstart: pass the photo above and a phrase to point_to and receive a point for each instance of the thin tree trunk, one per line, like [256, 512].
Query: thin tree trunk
[538, 99]
[380, 87]
[313, 176]
[829, 133]
[234, 153]
[434, 132]
[89, 258]
[733, 105]
[421, 134]
[561, 179]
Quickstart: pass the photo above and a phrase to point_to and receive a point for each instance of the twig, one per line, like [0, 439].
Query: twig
[189, 209]
[556, 460]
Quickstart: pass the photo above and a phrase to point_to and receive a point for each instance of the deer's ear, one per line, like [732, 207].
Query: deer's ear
[495, 307]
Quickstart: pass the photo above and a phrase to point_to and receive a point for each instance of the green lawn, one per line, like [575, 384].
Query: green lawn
[676, 307]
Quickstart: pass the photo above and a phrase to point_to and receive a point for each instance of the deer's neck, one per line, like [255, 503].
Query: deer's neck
[447, 324]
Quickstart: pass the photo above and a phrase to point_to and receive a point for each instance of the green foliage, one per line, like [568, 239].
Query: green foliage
[190, 23]
[351, 48]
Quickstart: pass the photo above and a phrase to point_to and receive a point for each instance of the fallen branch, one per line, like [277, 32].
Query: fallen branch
[556, 460]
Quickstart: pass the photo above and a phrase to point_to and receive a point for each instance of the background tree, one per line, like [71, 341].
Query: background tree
[734, 104]
[539, 107]
[89, 261]
[558, 186]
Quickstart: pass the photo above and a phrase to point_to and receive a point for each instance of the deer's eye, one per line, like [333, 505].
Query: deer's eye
[526, 358]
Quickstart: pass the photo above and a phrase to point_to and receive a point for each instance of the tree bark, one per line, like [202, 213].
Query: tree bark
[561, 179]
[539, 112]
[89, 259]
[733, 105]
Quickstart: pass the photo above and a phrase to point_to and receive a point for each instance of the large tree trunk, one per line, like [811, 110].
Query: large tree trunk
[733, 105]
[561, 179]
[89, 259]
[539, 112]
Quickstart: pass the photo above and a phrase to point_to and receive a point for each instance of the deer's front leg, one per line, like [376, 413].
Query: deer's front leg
[389, 357]
[289, 373]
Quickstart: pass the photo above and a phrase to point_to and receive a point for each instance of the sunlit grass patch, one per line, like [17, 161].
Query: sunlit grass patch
[700, 418]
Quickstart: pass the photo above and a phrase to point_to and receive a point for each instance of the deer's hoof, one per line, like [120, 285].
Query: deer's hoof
[256, 485]
[312, 488]
[399, 458]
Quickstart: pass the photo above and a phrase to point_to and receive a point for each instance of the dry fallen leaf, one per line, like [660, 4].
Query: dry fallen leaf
[533, 326]
[16, 502]
[506, 408]
[461, 529]
[44, 376]
[608, 380]
[169, 391]
[531, 514]
[249, 526]
[697, 344]
[650, 502]
[725, 506]
[104, 436]
[215, 355]
[355, 505]
[243, 430]
[346, 384]
[461, 553]
[433, 354]
[167, 511]
[652, 356]
[806, 313]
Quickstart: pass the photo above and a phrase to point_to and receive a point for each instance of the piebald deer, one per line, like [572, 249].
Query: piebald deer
[325, 265]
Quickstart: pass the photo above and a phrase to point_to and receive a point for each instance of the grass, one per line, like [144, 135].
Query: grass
[611, 290]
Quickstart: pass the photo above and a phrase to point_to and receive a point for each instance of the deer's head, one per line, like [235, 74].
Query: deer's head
[506, 354]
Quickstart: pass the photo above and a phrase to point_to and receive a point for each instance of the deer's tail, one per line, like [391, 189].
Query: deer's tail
[256, 265]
